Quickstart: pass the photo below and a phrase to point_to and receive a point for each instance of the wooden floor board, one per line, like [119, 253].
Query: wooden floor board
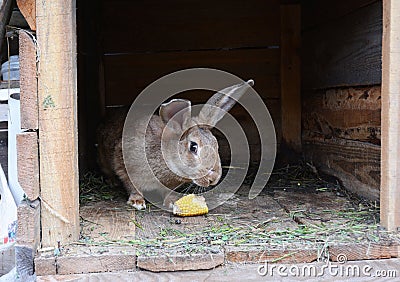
[284, 226]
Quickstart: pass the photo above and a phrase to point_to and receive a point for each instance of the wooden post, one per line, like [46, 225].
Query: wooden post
[28, 164]
[390, 155]
[58, 140]
[28, 81]
[290, 76]
[28, 10]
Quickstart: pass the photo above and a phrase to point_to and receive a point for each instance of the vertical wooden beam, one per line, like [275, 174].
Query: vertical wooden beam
[28, 81]
[390, 154]
[58, 140]
[290, 76]
[28, 164]
[28, 10]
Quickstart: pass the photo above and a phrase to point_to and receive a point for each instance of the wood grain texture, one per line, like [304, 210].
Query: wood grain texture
[364, 252]
[24, 256]
[83, 259]
[316, 12]
[28, 233]
[246, 272]
[238, 212]
[113, 219]
[356, 164]
[101, 223]
[28, 164]
[328, 210]
[268, 254]
[346, 51]
[45, 265]
[128, 75]
[290, 76]
[348, 113]
[28, 82]
[310, 208]
[177, 25]
[342, 134]
[28, 10]
[390, 171]
[180, 262]
[57, 88]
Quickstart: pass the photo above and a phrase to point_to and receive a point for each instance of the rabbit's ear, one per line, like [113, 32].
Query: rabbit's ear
[179, 110]
[221, 102]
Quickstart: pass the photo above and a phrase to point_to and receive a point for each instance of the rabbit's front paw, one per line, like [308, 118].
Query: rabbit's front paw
[136, 201]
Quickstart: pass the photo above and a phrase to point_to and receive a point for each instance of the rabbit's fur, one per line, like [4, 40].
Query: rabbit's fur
[179, 148]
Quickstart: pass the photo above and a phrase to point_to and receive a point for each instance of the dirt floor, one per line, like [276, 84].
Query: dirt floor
[298, 218]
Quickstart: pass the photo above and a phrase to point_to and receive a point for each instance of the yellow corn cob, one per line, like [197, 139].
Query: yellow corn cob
[190, 205]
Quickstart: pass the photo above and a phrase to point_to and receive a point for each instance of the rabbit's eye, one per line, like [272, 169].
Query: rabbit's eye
[193, 147]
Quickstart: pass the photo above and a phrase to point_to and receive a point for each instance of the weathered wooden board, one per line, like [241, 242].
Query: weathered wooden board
[364, 252]
[331, 213]
[28, 233]
[356, 164]
[128, 75]
[242, 254]
[255, 272]
[24, 257]
[180, 262]
[28, 164]
[316, 12]
[345, 52]
[237, 212]
[58, 148]
[83, 259]
[107, 221]
[176, 25]
[28, 81]
[314, 208]
[342, 134]
[104, 224]
[28, 10]
[290, 76]
[390, 173]
[347, 113]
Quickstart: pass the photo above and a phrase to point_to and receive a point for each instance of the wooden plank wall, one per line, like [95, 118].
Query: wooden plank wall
[341, 92]
[345, 51]
[142, 42]
[291, 76]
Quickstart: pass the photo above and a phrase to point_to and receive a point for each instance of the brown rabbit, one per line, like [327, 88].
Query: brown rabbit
[178, 148]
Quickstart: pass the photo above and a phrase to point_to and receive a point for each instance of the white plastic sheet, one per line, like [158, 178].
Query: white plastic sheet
[14, 127]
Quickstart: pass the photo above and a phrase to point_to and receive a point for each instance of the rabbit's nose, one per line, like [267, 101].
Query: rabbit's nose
[211, 172]
[213, 176]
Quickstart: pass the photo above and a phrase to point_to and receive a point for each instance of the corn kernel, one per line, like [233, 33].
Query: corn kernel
[190, 205]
